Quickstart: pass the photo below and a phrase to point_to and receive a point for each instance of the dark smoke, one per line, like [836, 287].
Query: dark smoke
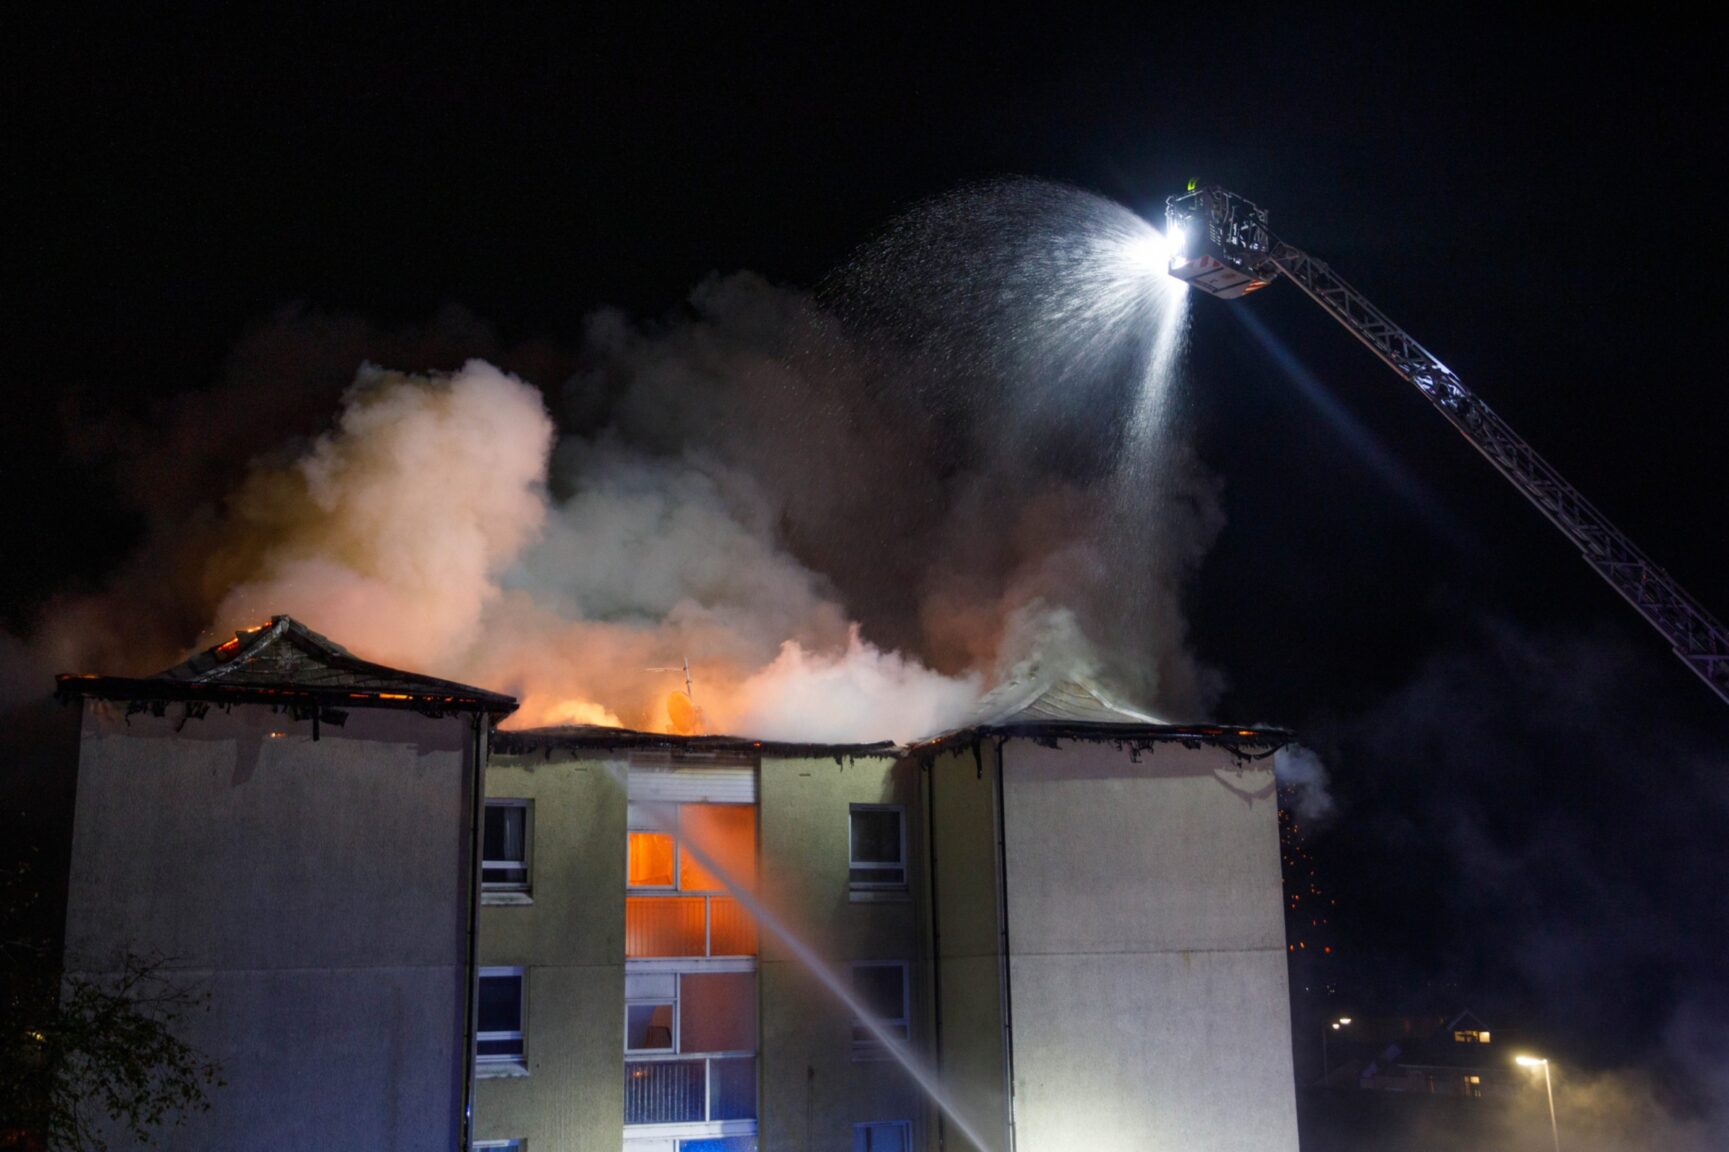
[1523, 826]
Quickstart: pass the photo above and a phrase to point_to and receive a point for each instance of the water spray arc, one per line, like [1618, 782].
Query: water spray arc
[1221, 244]
[899, 1050]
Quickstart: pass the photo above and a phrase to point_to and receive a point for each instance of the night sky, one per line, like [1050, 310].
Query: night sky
[1532, 795]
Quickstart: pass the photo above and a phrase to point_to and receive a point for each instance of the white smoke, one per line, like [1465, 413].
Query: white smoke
[390, 532]
[1301, 770]
[862, 690]
[654, 540]
[419, 532]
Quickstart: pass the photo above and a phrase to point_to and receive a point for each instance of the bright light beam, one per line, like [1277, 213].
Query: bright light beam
[1355, 433]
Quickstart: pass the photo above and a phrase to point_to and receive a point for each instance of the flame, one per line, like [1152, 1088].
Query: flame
[573, 712]
[683, 717]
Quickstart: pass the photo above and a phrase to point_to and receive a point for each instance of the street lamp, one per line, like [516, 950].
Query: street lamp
[1548, 1089]
[1332, 1026]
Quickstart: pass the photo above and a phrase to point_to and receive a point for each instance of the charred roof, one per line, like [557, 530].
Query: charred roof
[1070, 700]
[285, 662]
[1045, 711]
[1073, 707]
[580, 737]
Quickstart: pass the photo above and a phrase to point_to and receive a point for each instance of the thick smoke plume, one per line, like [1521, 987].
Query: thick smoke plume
[843, 510]
[392, 529]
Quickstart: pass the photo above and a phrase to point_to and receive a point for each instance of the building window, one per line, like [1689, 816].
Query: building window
[504, 847]
[881, 988]
[1470, 1036]
[498, 1042]
[651, 1013]
[675, 905]
[893, 1136]
[877, 858]
[1474, 1087]
[499, 1145]
[690, 1047]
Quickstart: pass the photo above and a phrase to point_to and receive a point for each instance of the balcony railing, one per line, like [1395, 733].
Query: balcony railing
[687, 926]
[690, 1090]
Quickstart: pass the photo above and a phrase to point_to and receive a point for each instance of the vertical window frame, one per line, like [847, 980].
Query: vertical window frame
[640, 1001]
[517, 1060]
[511, 887]
[637, 822]
[868, 1047]
[671, 889]
[854, 864]
[642, 1058]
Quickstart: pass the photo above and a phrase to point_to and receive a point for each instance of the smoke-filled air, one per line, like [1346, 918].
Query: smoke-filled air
[852, 509]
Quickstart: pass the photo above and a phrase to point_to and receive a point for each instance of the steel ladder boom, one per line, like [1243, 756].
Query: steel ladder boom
[1697, 638]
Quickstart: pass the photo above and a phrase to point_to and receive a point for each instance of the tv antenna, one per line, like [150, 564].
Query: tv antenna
[684, 666]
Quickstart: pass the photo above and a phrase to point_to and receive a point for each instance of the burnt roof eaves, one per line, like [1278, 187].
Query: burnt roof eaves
[1249, 743]
[286, 662]
[68, 687]
[591, 736]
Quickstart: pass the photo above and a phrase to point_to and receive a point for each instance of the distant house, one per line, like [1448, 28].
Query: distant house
[1442, 1056]
[294, 830]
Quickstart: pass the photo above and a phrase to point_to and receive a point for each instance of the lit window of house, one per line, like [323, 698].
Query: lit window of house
[498, 1042]
[653, 860]
[651, 1013]
[504, 846]
[881, 989]
[690, 1049]
[678, 903]
[690, 1011]
[1474, 1087]
[1470, 1036]
[894, 1136]
[878, 855]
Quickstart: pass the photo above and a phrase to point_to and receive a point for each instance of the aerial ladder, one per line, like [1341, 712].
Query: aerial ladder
[1220, 244]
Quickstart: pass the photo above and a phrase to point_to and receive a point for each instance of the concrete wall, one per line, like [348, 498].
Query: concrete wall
[962, 823]
[1149, 1004]
[570, 940]
[316, 889]
[813, 1091]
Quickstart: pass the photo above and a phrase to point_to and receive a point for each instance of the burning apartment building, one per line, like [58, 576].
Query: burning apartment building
[1057, 927]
